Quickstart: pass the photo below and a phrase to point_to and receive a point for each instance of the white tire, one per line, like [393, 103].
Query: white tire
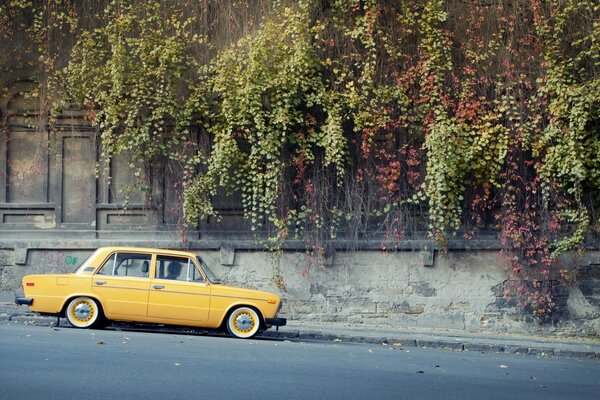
[243, 322]
[83, 312]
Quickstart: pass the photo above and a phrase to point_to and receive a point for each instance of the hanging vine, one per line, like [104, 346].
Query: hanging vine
[274, 113]
[347, 119]
[137, 76]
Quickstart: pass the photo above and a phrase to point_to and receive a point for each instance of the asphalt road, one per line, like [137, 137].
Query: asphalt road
[64, 363]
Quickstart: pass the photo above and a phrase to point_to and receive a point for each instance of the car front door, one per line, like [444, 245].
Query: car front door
[122, 284]
[178, 291]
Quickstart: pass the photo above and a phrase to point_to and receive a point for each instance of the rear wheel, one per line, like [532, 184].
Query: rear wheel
[84, 312]
[243, 322]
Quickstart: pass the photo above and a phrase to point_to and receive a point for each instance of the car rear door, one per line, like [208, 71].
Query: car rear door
[122, 284]
[179, 293]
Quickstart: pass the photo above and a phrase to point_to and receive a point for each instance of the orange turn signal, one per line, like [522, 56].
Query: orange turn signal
[271, 301]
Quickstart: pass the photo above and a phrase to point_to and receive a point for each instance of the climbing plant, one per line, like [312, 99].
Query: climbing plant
[348, 119]
[137, 77]
[275, 113]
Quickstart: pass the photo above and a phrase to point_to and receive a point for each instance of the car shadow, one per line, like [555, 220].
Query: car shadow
[173, 329]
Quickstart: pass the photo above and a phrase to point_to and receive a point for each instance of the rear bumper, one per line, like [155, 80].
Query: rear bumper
[23, 301]
[276, 321]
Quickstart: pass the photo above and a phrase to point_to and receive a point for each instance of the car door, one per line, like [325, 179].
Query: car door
[122, 284]
[178, 291]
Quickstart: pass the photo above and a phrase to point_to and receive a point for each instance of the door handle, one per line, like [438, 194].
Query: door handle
[100, 283]
[158, 286]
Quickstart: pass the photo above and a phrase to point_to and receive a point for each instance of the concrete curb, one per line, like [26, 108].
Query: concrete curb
[449, 344]
[572, 349]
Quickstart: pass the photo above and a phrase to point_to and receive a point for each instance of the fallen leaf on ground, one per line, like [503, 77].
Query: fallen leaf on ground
[503, 366]
[100, 342]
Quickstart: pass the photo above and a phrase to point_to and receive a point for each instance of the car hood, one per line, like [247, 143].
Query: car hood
[221, 289]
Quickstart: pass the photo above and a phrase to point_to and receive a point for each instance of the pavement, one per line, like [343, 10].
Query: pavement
[454, 340]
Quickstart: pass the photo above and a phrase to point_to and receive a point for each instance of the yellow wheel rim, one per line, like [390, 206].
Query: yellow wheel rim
[82, 311]
[243, 321]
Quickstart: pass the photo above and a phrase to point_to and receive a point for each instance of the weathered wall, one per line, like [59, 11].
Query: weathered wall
[462, 290]
[54, 211]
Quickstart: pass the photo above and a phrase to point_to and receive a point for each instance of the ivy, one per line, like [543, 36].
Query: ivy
[349, 119]
[268, 88]
[569, 143]
[136, 77]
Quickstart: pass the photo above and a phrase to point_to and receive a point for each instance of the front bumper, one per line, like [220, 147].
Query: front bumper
[276, 321]
[23, 301]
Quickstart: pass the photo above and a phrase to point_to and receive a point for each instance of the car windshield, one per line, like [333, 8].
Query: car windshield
[212, 278]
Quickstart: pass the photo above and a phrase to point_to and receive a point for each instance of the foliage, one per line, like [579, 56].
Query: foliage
[352, 119]
[136, 76]
[267, 88]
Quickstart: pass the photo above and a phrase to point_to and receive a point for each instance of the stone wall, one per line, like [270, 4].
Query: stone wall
[460, 289]
[59, 201]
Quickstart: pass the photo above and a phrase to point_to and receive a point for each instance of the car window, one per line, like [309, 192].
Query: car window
[84, 268]
[127, 264]
[177, 268]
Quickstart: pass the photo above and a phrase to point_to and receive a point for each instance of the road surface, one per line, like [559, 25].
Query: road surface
[65, 363]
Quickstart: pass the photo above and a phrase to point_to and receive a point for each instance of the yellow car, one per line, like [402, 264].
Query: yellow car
[150, 285]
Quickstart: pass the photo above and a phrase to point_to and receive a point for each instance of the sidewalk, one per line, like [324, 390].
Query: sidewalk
[384, 336]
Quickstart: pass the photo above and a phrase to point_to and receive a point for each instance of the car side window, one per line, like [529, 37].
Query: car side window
[127, 264]
[177, 268]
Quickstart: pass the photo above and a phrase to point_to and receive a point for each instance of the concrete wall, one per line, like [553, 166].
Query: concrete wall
[56, 206]
[462, 289]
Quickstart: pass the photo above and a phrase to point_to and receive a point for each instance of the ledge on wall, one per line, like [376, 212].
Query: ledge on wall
[90, 240]
[78, 239]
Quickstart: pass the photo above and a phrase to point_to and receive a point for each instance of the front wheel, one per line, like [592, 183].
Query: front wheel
[243, 322]
[84, 312]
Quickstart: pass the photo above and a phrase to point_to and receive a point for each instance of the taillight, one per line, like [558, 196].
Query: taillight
[29, 284]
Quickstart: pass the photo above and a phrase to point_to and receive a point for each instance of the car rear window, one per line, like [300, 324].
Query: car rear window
[127, 264]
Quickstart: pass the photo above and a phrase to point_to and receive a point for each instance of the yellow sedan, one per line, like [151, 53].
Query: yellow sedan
[150, 285]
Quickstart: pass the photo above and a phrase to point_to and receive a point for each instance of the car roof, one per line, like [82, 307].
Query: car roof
[108, 249]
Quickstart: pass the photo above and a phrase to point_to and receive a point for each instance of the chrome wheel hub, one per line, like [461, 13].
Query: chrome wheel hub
[83, 311]
[243, 322]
